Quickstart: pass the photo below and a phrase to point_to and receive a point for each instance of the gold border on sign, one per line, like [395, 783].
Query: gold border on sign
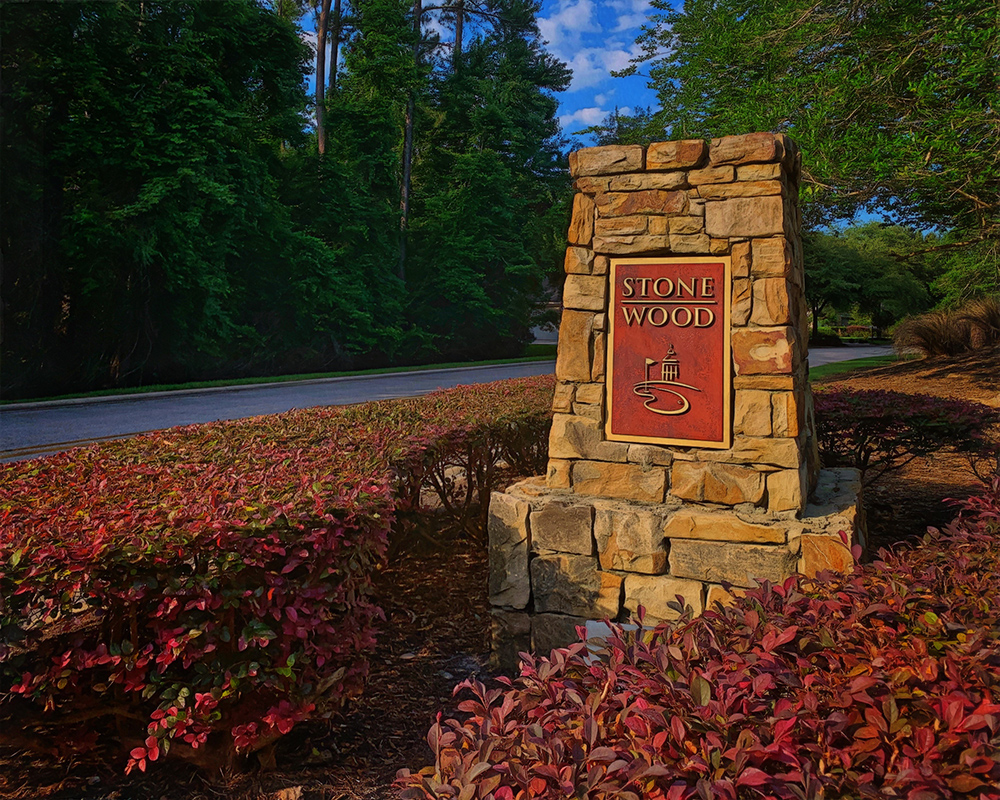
[727, 365]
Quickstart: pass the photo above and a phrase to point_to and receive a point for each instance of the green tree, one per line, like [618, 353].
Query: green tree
[893, 102]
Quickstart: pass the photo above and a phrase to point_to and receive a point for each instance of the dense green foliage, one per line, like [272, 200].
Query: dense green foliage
[167, 214]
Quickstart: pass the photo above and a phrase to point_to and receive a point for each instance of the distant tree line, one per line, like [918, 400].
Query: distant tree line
[175, 207]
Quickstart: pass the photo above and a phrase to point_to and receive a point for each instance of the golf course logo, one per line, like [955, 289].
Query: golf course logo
[663, 396]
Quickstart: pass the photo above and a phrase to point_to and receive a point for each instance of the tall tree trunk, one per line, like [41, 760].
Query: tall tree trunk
[321, 28]
[335, 55]
[411, 107]
[456, 53]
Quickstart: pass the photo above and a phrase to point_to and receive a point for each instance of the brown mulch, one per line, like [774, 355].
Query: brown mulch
[436, 634]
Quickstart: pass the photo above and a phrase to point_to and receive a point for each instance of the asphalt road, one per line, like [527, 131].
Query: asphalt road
[33, 429]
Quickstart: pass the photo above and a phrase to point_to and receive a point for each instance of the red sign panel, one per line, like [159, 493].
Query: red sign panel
[668, 351]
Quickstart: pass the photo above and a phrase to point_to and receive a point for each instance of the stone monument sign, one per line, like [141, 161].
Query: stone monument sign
[682, 455]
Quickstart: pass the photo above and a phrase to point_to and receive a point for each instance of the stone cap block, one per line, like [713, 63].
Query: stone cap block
[675, 155]
[609, 160]
[747, 149]
[745, 217]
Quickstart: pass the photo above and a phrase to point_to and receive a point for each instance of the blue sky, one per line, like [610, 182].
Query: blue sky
[595, 37]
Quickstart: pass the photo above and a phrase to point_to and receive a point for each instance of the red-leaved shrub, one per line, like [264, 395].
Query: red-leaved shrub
[883, 683]
[876, 431]
[208, 587]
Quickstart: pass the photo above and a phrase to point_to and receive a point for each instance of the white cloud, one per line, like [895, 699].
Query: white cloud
[593, 65]
[584, 116]
[564, 29]
[632, 14]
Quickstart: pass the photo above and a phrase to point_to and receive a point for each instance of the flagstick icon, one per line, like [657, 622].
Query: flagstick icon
[668, 385]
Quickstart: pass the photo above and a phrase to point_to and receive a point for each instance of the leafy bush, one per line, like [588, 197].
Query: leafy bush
[882, 683]
[876, 431]
[973, 326]
[208, 587]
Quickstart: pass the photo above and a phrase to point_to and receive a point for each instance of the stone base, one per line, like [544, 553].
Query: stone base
[559, 558]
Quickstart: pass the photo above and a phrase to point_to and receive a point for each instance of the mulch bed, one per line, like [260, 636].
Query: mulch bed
[436, 634]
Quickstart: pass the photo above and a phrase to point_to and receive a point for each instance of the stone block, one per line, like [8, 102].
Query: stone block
[573, 358]
[786, 414]
[590, 393]
[626, 245]
[584, 292]
[507, 530]
[741, 260]
[721, 526]
[552, 631]
[752, 413]
[718, 247]
[746, 149]
[579, 261]
[627, 481]
[769, 451]
[601, 265]
[659, 226]
[568, 584]
[717, 594]
[654, 593]
[562, 399]
[765, 351]
[742, 304]
[770, 302]
[824, 553]
[510, 636]
[591, 185]
[648, 455]
[601, 322]
[600, 356]
[726, 562]
[647, 180]
[575, 436]
[564, 527]
[745, 217]
[758, 172]
[708, 482]
[675, 155]
[581, 226]
[697, 243]
[721, 191]
[646, 201]
[786, 490]
[711, 175]
[621, 226]
[630, 538]
[685, 225]
[771, 382]
[772, 258]
[557, 476]
[588, 410]
[609, 160]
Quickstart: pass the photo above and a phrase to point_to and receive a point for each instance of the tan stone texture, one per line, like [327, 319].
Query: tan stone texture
[746, 149]
[564, 527]
[752, 413]
[741, 259]
[718, 247]
[742, 302]
[684, 225]
[718, 594]
[581, 226]
[609, 160]
[655, 593]
[590, 393]
[771, 451]
[600, 357]
[647, 201]
[726, 562]
[710, 175]
[758, 172]
[557, 476]
[584, 292]
[740, 217]
[632, 183]
[601, 265]
[660, 226]
[649, 455]
[589, 410]
[591, 185]
[824, 552]
[772, 258]
[600, 322]
[507, 529]
[722, 191]
[579, 261]
[626, 245]
[510, 634]
[627, 481]
[786, 490]
[582, 437]
[786, 414]
[568, 584]
[708, 482]
[765, 351]
[771, 302]
[675, 155]
[698, 243]
[630, 539]
[573, 358]
[562, 399]
[772, 382]
[551, 631]
[721, 527]
[621, 226]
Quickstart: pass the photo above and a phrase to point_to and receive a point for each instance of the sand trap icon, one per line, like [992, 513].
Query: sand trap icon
[662, 396]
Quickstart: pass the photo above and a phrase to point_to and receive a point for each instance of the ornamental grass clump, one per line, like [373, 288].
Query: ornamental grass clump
[199, 591]
[967, 329]
[882, 683]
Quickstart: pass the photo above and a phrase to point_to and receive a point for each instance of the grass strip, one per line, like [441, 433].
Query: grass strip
[838, 367]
